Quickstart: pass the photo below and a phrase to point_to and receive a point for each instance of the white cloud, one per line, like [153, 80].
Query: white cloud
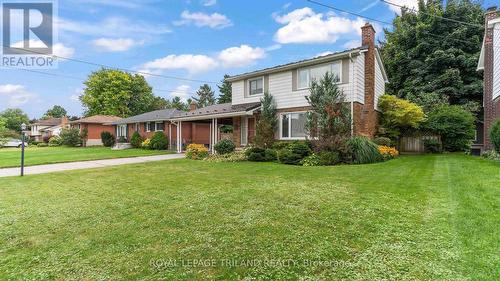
[207, 3]
[112, 26]
[116, 45]
[191, 63]
[199, 19]
[352, 44]
[15, 95]
[240, 56]
[412, 4]
[182, 91]
[63, 51]
[369, 6]
[306, 26]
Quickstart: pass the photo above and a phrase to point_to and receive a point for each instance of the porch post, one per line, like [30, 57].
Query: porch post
[216, 132]
[211, 142]
[170, 135]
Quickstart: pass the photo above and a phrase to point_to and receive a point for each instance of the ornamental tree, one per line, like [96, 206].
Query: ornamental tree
[399, 114]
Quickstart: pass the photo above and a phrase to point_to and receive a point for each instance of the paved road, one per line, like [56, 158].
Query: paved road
[49, 168]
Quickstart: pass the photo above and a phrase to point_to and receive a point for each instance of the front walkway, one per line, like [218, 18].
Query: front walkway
[49, 168]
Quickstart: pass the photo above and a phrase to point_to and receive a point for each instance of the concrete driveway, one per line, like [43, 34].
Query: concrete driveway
[49, 168]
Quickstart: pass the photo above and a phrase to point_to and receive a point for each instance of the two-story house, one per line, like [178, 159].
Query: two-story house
[361, 77]
[44, 129]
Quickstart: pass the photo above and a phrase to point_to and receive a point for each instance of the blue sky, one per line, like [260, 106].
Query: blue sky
[195, 39]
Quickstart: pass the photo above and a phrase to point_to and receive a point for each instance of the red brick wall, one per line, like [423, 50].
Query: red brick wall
[95, 130]
[366, 122]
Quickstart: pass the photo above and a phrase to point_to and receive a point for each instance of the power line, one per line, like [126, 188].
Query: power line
[440, 17]
[348, 12]
[119, 68]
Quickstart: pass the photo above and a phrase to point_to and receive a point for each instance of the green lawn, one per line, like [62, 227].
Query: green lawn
[11, 157]
[433, 217]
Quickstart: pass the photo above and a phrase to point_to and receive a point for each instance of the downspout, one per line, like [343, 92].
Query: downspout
[352, 93]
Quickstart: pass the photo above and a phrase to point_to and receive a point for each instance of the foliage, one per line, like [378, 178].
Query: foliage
[70, 137]
[399, 114]
[270, 155]
[224, 147]
[364, 151]
[495, 135]
[455, 125]
[382, 141]
[42, 144]
[115, 92]
[146, 143]
[229, 157]
[328, 121]
[84, 135]
[428, 56]
[56, 111]
[136, 140]
[159, 141]
[122, 139]
[5, 133]
[13, 118]
[178, 104]
[281, 145]
[388, 152]
[255, 154]
[205, 96]
[294, 153]
[267, 123]
[432, 146]
[329, 158]
[107, 139]
[225, 129]
[226, 91]
[55, 141]
[196, 151]
[491, 155]
[311, 160]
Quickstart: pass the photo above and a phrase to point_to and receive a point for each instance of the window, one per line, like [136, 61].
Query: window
[256, 86]
[159, 126]
[292, 125]
[148, 126]
[136, 127]
[307, 75]
[122, 130]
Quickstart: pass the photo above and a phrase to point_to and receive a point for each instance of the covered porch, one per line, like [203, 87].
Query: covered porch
[217, 119]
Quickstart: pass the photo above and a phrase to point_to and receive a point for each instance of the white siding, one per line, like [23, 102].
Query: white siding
[280, 86]
[496, 61]
[379, 83]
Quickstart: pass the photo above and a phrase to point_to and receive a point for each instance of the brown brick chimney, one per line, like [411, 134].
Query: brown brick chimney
[491, 107]
[193, 106]
[369, 117]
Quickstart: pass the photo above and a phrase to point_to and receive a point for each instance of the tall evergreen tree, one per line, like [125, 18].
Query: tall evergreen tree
[178, 104]
[205, 97]
[432, 61]
[267, 123]
[226, 91]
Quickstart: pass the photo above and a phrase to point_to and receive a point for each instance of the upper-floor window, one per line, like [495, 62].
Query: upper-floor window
[256, 86]
[307, 75]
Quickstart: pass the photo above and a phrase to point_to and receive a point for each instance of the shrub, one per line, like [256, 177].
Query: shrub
[455, 125]
[159, 141]
[301, 148]
[224, 147]
[329, 158]
[42, 144]
[108, 140]
[491, 155]
[33, 142]
[55, 141]
[270, 155]
[432, 146]
[255, 154]
[196, 151]
[146, 143]
[267, 124]
[495, 135]
[382, 141]
[70, 137]
[281, 145]
[399, 114]
[225, 129]
[122, 139]
[364, 150]
[136, 140]
[228, 157]
[311, 160]
[388, 152]
[287, 156]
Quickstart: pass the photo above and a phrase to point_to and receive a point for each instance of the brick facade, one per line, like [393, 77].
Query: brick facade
[491, 107]
[366, 121]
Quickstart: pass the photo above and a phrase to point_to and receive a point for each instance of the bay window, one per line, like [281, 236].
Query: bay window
[307, 75]
[293, 125]
[256, 86]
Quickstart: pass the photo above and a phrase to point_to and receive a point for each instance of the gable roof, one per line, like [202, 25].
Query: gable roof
[100, 119]
[48, 122]
[157, 115]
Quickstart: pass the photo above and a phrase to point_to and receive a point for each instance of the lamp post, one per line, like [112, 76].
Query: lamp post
[23, 127]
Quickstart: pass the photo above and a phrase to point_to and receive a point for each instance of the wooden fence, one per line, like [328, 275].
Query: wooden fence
[415, 144]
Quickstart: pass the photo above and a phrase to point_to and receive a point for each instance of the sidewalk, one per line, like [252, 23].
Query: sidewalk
[49, 168]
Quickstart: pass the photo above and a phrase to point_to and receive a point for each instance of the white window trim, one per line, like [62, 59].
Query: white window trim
[156, 127]
[263, 86]
[148, 126]
[309, 74]
[289, 127]
[122, 131]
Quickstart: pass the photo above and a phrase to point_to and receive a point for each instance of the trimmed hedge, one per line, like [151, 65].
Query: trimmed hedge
[108, 140]
[224, 147]
[158, 142]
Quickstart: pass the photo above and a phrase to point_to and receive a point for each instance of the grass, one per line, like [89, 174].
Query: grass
[431, 217]
[11, 157]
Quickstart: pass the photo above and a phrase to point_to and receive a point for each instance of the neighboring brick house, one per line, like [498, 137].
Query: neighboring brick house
[489, 63]
[44, 129]
[95, 125]
[361, 77]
